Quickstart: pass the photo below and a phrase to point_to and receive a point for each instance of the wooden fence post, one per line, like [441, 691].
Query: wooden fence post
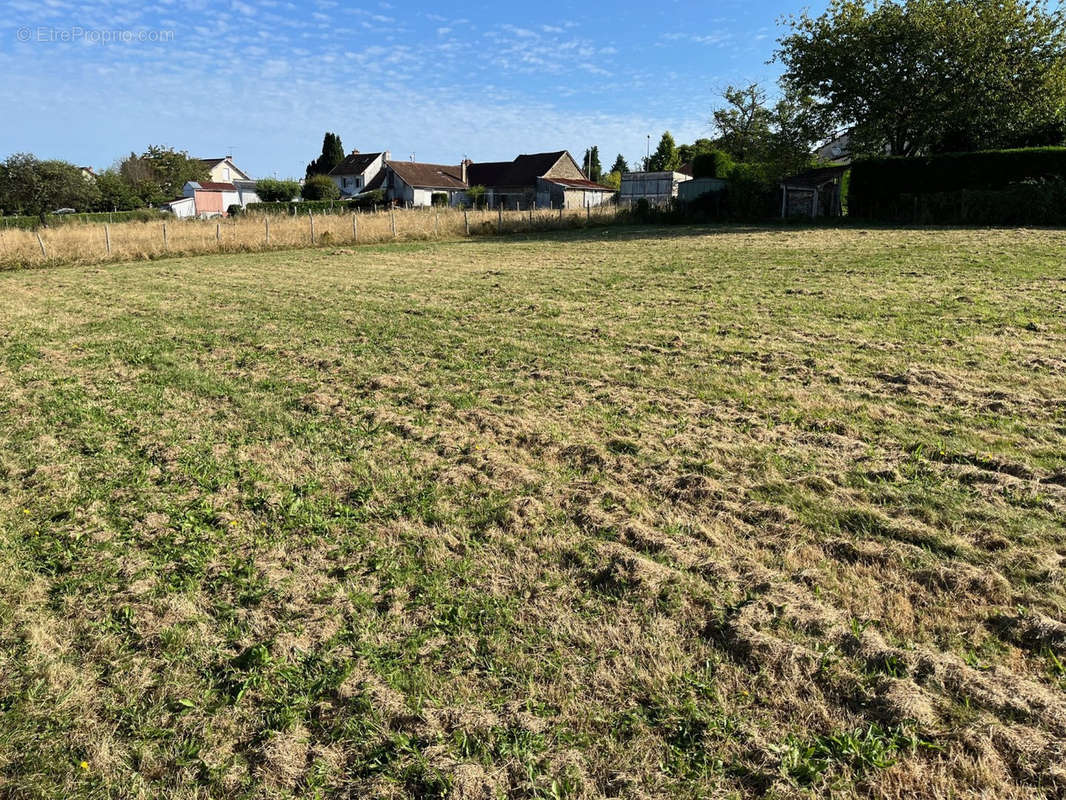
[218, 233]
[561, 210]
[311, 218]
[499, 219]
[40, 241]
[466, 221]
[107, 238]
[266, 222]
[588, 212]
[165, 246]
[436, 223]
[355, 227]
[393, 224]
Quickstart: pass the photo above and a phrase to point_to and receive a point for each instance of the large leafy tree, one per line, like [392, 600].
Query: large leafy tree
[160, 173]
[620, 165]
[744, 123]
[913, 76]
[332, 154]
[779, 137]
[31, 186]
[665, 157]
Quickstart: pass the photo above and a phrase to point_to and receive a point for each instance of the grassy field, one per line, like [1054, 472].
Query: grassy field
[616, 513]
[82, 243]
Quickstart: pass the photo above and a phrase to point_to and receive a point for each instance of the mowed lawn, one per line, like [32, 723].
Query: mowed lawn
[627, 513]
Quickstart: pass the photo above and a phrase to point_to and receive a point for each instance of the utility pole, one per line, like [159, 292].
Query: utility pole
[647, 154]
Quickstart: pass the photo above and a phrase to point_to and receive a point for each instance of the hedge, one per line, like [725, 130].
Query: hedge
[361, 202]
[892, 188]
[712, 164]
[52, 220]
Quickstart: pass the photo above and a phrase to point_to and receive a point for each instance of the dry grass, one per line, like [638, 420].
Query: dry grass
[614, 513]
[87, 243]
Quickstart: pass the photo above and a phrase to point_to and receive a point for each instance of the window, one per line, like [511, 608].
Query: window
[358, 182]
[347, 182]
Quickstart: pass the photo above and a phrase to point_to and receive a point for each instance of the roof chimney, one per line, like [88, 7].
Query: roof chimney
[388, 156]
[355, 151]
[465, 163]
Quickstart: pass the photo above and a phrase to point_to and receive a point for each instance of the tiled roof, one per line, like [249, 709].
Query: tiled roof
[354, 164]
[429, 176]
[211, 186]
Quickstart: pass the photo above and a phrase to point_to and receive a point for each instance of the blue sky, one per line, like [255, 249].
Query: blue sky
[264, 79]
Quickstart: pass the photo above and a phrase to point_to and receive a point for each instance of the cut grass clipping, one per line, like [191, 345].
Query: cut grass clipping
[614, 513]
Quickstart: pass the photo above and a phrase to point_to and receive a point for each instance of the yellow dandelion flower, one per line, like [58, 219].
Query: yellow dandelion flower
[84, 765]
[26, 511]
[233, 522]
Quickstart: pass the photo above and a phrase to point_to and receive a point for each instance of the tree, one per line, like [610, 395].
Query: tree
[116, 193]
[320, 187]
[591, 163]
[332, 155]
[160, 173]
[275, 191]
[743, 124]
[613, 179]
[914, 76]
[687, 152]
[665, 156]
[620, 165]
[779, 138]
[31, 186]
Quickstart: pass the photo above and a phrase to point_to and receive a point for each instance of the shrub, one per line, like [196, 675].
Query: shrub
[713, 164]
[371, 199]
[271, 190]
[234, 210]
[476, 196]
[439, 199]
[320, 187]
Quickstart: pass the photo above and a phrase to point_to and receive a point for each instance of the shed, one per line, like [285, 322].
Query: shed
[658, 188]
[813, 193]
[571, 193]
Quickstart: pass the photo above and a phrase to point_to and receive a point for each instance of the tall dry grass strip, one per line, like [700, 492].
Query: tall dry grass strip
[77, 243]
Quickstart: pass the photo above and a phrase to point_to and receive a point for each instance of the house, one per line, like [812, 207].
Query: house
[223, 170]
[658, 188]
[359, 172]
[551, 180]
[411, 183]
[87, 173]
[836, 150]
[813, 193]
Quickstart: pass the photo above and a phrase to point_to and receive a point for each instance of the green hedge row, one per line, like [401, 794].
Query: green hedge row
[363, 202]
[882, 188]
[1034, 202]
[28, 223]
